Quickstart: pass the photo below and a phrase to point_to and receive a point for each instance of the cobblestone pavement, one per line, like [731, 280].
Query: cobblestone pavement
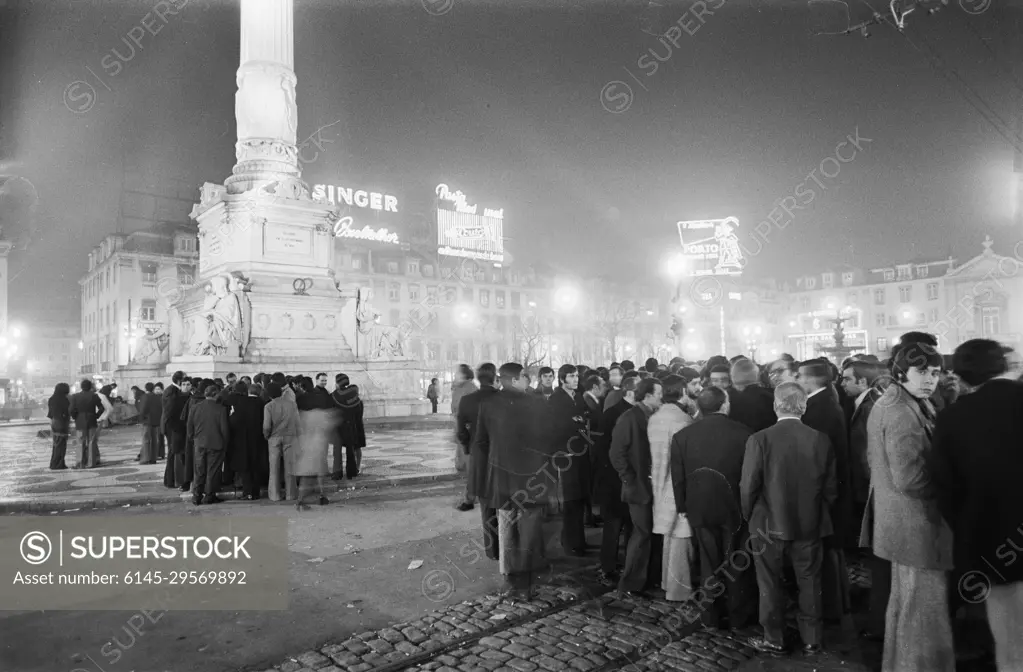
[570, 625]
[392, 456]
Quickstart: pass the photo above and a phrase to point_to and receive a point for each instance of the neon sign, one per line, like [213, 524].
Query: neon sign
[371, 200]
[459, 200]
[718, 253]
[344, 228]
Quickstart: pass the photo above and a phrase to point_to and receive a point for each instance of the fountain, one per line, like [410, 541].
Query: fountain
[839, 351]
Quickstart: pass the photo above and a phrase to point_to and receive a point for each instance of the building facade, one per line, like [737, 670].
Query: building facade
[130, 283]
[52, 355]
[876, 306]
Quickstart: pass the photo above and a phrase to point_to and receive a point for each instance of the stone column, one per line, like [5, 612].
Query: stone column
[265, 108]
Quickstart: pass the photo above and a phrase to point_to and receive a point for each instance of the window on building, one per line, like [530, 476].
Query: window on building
[882, 344]
[922, 271]
[186, 274]
[847, 278]
[879, 298]
[811, 283]
[889, 275]
[934, 315]
[906, 293]
[428, 270]
[107, 285]
[431, 294]
[392, 267]
[828, 280]
[991, 320]
[485, 298]
[932, 291]
[413, 267]
[149, 270]
[394, 291]
[499, 298]
[892, 321]
[413, 292]
[904, 272]
[921, 318]
[356, 262]
[879, 320]
[515, 300]
[513, 278]
[147, 313]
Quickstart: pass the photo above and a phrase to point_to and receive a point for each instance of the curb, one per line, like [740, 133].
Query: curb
[43, 506]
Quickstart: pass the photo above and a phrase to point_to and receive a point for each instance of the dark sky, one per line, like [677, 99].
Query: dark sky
[502, 100]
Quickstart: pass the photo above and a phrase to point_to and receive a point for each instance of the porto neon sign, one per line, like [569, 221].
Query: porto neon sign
[345, 228]
[459, 200]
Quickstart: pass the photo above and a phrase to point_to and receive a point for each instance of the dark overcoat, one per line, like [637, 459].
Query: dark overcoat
[248, 448]
[567, 439]
[824, 414]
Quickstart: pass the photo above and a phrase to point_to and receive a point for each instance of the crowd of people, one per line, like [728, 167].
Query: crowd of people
[734, 485]
[265, 434]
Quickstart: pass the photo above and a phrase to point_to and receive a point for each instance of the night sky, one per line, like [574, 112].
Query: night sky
[503, 101]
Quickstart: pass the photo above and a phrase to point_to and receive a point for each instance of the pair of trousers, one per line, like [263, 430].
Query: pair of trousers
[880, 587]
[573, 529]
[281, 450]
[1005, 617]
[637, 553]
[491, 544]
[59, 450]
[208, 467]
[150, 444]
[610, 538]
[347, 460]
[724, 563]
[676, 574]
[520, 536]
[834, 579]
[806, 557]
[88, 447]
[433, 402]
[250, 482]
[174, 474]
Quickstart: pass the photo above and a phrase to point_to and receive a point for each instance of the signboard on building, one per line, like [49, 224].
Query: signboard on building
[355, 198]
[464, 231]
[711, 246]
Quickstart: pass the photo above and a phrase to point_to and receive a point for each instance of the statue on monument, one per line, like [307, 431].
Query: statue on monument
[377, 341]
[153, 347]
[226, 313]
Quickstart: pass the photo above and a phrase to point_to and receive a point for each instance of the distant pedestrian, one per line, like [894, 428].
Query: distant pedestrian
[150, 417]
[280, 428]
[462, 385]
[433, 393]
[350, 433]
[87, 409]
[60, 424]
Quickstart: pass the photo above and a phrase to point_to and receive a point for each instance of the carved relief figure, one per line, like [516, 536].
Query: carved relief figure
[375, 340]
[153, 347]
[224, 318]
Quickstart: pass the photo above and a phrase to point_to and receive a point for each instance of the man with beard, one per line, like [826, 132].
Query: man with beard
[511, 440]
[751, 404]
[607, 491]
[175, 397]
[824, 414]
[574, 462]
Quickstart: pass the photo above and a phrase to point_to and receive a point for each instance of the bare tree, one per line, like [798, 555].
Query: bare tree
[530, 341]
[610, 320]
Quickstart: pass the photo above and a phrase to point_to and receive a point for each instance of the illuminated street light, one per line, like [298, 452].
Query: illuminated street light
[15, 332]
[692, 330]
[81, 345]
[792, 323]
[532, 304]
[675, 266]
[566, 297]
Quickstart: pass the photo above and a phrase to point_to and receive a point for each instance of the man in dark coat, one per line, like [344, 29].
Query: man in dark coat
[150, 417]
[175, 397]
[787, 489]
[85, 409]
[512, 440]
[630, 455]
[249, 455]
[566, 439]
[607, 488]
[476, 473]
[591, 404]
[208, 428]
[706, 467]
[198, 395]
[824, 414]
[350, 434]
[750, 404]
[976, 463]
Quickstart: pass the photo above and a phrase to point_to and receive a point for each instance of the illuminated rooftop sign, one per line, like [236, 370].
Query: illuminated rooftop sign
[711, 246]
[356, 198]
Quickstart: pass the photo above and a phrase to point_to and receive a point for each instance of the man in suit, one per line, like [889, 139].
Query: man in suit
[475, 481]
[511, 440]
[248, 453]
[567, 423]
[150, 417]
[592, 406]
[630, 455]
[208, 428]
[706, 467]
[87, 409]
[607, 491]
[173, 427]
[824, 414]
[976, 462]
[788, 487]
[750, 404]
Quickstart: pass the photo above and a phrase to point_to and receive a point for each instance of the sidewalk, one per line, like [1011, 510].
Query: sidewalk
[400, 451]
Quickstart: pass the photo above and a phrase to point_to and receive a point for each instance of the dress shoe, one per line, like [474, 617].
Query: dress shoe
[324, 501]
[465, 506]
[186, 487]
[607, 579]
[636, 594]
[811, 649]
[764, 646]
[197, 501]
